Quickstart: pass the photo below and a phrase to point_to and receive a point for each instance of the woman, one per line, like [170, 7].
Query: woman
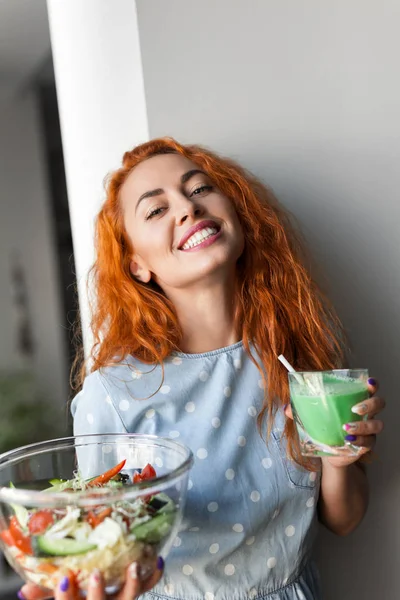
[199, 287]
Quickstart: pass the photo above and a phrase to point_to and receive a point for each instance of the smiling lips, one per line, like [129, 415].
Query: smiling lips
[198, 235]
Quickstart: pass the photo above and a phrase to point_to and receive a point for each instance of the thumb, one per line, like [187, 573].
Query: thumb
[33, 592]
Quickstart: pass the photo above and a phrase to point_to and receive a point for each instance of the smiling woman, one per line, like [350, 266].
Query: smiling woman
[200, 285]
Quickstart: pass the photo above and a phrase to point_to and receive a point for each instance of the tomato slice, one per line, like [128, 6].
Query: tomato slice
[137, 478]
[40, 521]
[148, 472]
[22, 541]
[7, 537]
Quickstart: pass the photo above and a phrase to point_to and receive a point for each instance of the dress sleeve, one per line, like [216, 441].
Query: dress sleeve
[93, 412]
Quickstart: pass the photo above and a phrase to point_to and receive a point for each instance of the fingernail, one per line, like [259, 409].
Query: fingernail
[64, 584]
[372, 381]
[350, 438]
[359, 409]
[95, 579]
[134, 571]
[160, 563]
[350, 426]
[20, 595]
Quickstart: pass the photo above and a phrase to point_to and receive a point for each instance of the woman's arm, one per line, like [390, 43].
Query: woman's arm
[343, 497]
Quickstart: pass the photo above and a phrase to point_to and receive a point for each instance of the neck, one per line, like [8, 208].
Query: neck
[207, 317]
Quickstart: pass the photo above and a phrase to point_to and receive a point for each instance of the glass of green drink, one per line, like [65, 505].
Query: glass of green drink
[321, 403]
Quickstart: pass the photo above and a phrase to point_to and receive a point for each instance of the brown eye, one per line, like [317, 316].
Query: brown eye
[201, 189]
[154, 212]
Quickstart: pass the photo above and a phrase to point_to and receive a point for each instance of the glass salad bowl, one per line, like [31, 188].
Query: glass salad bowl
[94, 501]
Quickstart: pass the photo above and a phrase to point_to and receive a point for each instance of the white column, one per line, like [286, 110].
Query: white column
[99, 79]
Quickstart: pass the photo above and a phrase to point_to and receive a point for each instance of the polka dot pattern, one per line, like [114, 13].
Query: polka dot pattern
[124, 405]
[290, 531]
[230, 474]
[177, 542]
[227, 391]
[187, 569]
[229, 569]
[312, 477]
[252, 411]
[202, 453]
[250, 541]
[165, 389]
[194, 529]
[310, 502]
[174, 434]
[209, 596]
[252, 593]
[237, 363]
[203, 375]
[216, 422]
[241, 441]
[255, 496]
[108, 400]
[238, 527]
[150, 413]
[261, 384]
[214, 548]
[177, 361]
[271, 562]
[212, 507]
[136, 374]
[169, 589]
[190, 407]
[266, 462]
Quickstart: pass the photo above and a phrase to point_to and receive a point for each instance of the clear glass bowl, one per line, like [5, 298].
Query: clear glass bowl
[46, 531]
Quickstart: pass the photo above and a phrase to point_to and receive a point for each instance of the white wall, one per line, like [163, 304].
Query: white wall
[307, 95]
[25, 227]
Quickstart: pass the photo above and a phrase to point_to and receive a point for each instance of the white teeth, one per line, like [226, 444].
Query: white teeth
[199, 237]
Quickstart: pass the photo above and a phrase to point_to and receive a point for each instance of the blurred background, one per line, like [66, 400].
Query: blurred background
[305, 93]
[38, 301]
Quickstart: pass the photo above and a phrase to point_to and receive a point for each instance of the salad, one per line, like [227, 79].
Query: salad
[44, 544]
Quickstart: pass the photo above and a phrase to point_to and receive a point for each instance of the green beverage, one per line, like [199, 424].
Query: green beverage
[322, 403]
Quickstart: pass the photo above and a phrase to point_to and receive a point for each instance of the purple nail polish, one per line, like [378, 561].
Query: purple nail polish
[64, 584]
[372, 381]
[350, 438]
[160, 563]
[20, 595]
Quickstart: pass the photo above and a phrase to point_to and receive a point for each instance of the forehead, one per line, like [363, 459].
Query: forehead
[156, 172]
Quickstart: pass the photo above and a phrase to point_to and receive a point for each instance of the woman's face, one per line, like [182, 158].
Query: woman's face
[182, 228]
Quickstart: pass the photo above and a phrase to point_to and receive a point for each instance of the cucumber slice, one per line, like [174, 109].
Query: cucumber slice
[154, 530]
[46, 546]
[162, 503]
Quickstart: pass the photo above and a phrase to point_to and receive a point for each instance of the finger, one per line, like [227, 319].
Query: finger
[132, 587]
[366, 441]
[373, 386]
[96, 586]
[33, 592]
[372, 427]
[65, 589]
[369, 407]
[149, 583]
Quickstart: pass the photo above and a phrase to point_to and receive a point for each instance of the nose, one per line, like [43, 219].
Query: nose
[187, 210]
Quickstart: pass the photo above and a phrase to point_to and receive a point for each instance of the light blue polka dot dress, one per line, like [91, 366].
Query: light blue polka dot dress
[250, 517]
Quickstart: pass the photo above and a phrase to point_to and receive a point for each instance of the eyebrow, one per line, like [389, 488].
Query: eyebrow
[157, 192]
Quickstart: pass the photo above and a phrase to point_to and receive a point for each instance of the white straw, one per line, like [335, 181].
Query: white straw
[291, 369]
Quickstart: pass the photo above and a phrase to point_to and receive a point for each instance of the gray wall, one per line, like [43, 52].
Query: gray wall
[307, 95]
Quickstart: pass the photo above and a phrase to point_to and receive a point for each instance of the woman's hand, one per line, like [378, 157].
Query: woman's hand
[66, 589]
[363, 433]
[359, 433]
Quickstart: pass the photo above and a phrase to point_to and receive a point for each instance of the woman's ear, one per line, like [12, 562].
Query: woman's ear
[139, 271]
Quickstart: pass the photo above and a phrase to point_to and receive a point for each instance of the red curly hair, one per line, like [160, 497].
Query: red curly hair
[280, 308]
